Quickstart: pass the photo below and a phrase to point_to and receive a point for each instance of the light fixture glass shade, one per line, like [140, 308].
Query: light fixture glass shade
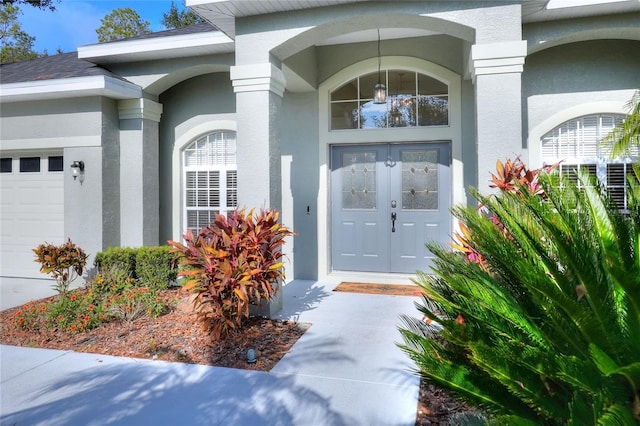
[77, 170]
[380, 94]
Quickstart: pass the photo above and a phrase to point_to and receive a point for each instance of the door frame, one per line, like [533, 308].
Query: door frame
[451, 133]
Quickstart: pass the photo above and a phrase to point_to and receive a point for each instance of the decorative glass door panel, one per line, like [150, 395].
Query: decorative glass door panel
[387, 202]
[359, 184]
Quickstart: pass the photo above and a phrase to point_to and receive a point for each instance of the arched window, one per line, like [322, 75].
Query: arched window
[413, 100]
[210, 182]
[577, 144]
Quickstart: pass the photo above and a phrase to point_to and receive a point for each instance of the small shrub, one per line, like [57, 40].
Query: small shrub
[150, 265]
[64, 263]
[134, 303]
[123, 258]
[76, 311]
[231, 264]
[155, 266]
[112, 280]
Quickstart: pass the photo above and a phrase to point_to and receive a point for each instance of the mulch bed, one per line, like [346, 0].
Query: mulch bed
[171, 337]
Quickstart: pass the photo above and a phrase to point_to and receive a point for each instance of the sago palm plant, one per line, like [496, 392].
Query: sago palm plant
[546, 328]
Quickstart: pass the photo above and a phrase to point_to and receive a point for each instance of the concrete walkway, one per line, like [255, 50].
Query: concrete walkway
[345, 370]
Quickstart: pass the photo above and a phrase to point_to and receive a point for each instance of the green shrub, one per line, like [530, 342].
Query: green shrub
[231, 264]
[155, 266]
[111, 280]
[123, 258]
[148, 265]
[539, 321]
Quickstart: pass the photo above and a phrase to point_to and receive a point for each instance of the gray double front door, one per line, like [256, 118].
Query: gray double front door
[387, 201]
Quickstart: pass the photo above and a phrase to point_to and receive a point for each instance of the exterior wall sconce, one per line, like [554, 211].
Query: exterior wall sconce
[380, 90]
[77, 170]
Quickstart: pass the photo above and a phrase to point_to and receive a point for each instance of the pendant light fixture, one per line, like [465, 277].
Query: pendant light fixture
[380, 90]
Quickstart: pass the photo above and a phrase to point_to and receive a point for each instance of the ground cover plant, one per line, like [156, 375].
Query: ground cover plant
[535, 318]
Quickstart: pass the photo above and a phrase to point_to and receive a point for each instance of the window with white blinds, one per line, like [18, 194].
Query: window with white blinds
[210, 183]
[576, 144]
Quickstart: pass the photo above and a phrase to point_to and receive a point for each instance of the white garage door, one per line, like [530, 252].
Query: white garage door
[32, 210]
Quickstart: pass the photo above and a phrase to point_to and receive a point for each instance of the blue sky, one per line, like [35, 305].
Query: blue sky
[74, 22]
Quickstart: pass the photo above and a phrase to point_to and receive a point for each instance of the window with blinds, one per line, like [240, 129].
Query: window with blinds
[210, 183]
[576, 144]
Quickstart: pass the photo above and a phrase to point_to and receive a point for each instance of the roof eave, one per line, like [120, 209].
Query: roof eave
[210, 42]
[69, 88]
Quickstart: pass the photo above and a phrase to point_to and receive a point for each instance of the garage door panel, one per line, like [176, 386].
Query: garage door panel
[32, 212]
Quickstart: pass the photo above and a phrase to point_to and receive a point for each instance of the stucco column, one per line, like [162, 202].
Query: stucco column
[259, 89]
[497, 70]
[139, 180]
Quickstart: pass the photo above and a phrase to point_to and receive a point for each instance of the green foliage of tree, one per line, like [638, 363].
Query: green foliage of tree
[17, 45]
[546, 328]
[121, 23]
[626, 135]
[175, 18]
[40, 4]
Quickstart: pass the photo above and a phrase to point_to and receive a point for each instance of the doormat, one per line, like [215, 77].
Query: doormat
[384, 289]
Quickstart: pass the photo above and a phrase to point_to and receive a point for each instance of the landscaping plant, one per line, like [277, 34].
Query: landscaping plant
[64, 263]
[536, 319]
[111, 295]
[151, 265]
[232, 263]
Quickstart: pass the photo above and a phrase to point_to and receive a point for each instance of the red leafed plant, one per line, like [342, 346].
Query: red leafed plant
[511, 176]
[514, 175]
[64, 263]
[232, 263]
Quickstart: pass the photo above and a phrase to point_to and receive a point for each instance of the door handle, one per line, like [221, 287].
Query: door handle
[393, 221]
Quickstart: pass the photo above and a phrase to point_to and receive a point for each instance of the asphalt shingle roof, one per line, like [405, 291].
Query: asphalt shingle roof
[65, 65]
[68, 65]
[192, 29]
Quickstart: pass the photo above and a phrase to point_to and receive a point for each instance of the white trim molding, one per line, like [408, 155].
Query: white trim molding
[535, 135]
[139, 109]
[498, 58]
[50, 143]
[75, 87]
[208, 42]
[257, 78]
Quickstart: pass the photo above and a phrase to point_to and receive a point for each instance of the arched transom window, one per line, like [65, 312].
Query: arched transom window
[576, 143]
[413, 100]
[209, 179]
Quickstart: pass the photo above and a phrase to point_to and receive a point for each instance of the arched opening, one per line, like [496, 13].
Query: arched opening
[576, 145]
[210, 180]
[414, 100]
